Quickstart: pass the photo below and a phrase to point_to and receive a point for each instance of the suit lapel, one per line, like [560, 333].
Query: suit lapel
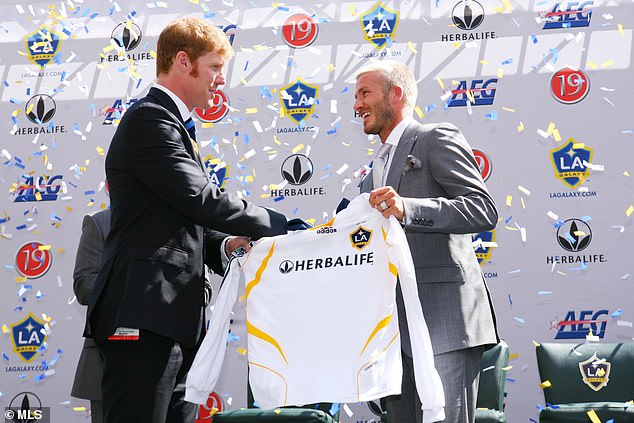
[161, 98]
[404, 147]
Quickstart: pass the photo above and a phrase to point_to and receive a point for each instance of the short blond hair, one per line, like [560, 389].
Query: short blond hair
[394, 74]
[193, 36]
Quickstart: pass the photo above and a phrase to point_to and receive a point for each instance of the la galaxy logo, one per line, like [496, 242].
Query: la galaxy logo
[571, 15]
[360, 238]
[42, 45]
[298, 100]
[217, 170]
[484, 242]
[28, 335]
[379, 24]
[571, 163]
[595, 372]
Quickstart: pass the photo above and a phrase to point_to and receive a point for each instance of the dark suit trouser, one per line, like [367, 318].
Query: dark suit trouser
[460, 374]
[144, 380]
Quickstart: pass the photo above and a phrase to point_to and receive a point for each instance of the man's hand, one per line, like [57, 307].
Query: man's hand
[388, 202]
[234, 242]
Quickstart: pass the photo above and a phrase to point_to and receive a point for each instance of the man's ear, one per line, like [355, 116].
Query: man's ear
[182, 60]
[397, 94]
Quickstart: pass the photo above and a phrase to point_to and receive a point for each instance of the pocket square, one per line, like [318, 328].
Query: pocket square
[412, 162]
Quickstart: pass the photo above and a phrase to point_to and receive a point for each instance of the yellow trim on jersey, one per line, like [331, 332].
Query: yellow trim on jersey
[373, 360]
[258, 274]
[393, 269]
[329, 223]
[251, 363]
[382, 324]
[252, 330]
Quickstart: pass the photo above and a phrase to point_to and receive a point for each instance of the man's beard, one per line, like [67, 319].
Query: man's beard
[383, 116]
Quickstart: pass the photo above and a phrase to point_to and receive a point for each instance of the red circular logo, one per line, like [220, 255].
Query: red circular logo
[31, 261]
[218, 110]
[569, 85]
[484, 163]
[299, 31]
[212, 406]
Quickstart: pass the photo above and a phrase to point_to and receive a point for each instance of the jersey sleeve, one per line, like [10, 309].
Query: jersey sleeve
[205, 370]
[428, 383]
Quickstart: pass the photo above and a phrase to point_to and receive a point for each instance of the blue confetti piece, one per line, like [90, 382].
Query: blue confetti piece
[334, 409]
[520, 320]
[332, 131]
[584, 265]
[296, 210]
[510, 299]
[586, 218]
[430, 107]
[544, 292]
[493, 115]
[328, 166]
[345, 90]
[278, 199]
[534, 38]
[246, 138]
[232, 338]
[246, 65]
[539, 407]
[533, 420]
[19, 228]
[507, 62]
[67, 32]
[15, 101]
[508, 220]
[617, 313]
[39, 377]
[6, 357]
[91, 192]
[283, 9]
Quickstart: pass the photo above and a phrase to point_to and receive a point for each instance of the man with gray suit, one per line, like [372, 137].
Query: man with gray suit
[87, 383]
[427, 177]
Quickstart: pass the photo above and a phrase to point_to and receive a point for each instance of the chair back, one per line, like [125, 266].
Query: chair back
[493, 377]
[591, 372]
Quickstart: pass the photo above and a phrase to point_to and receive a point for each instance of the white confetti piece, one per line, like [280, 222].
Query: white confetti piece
[552, 215]
[342, 169]
[347, 410]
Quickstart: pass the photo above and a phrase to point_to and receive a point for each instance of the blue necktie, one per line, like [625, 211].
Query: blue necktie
[191, 128]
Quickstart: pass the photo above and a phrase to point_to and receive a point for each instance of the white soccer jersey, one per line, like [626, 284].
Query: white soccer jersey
[321, 317]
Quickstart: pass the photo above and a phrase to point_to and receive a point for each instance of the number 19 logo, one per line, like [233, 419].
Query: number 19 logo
[218, 110]
[299, 31]
[569, 85]
[32, 260]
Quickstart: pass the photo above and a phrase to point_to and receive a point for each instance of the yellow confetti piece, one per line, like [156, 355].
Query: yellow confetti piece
[507, 4]
[79, 408]
[331, 67]
[498, 9]
[60, 250]
[578, 145]
[507, 368]
[411, 47]
[535, 343]
[545, 384]
[593, 416]
[90, 203]
[629, 211]
[520, 127]
[20, 278]
[620, 28]
[442, 85]
[5, 329]
[351, 9]
[251, 110]
[38, 196]
[484, 62]
[591, 64]
[419, 112]
[153, 54]
[207, 125]
[626, 173]
[194, 1]
[551, 128]
[16, 112]
[242, 351]
[244, 81]
[509, 200]
[607, 64]
[277, 411]
[297, 148]
[100, 151]
[500, 73]
[69, 208]
[523, 203]
[556, 135]
[44, 247]
[514, 356]
[311, 221]
[103, 206]
[108, 48]
[508, 109]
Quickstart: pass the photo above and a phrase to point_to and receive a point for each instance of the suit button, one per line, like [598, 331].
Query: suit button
[430, 223]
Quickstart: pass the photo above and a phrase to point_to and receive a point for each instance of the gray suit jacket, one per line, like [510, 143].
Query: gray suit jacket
[445, 202]
[94, 229]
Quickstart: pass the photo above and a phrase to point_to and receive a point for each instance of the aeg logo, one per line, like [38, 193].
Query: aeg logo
[478, 93]
[572, 15]
[42, 188]
[572, 328]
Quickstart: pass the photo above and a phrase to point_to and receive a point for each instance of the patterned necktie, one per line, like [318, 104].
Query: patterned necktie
[191, 128]
[380, 162]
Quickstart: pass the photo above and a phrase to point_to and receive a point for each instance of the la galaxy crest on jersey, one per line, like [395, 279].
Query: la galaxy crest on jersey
[379, 24]
[485, 242]
[571, 162]
[298, 99]
[360, 238]
[42, 45]
[595, 372]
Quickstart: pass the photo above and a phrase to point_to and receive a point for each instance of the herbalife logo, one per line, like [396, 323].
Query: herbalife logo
[297, 169]
[127, 35]
[467, 15]
[574, 235]
[40, 109]
[286, 267]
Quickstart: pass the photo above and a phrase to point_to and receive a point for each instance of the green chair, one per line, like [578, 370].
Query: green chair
[581, 378]
[490, 402]
[280, 415]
